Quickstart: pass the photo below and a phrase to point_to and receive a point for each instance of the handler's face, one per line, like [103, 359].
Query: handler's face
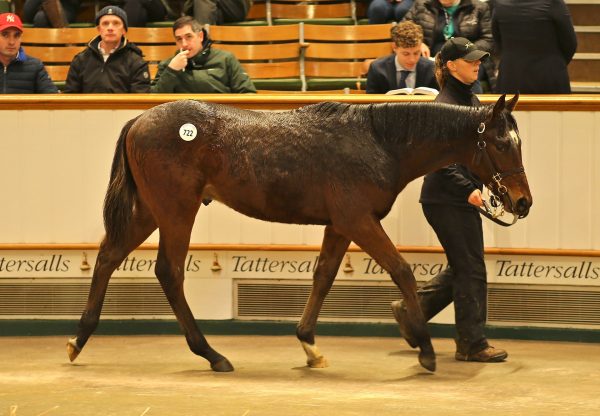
[464, 71]
[188, 40]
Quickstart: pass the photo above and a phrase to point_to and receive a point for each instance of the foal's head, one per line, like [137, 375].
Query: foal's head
[497, 158]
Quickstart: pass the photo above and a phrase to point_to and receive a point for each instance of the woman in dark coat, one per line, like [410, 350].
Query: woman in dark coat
[449, 197]
[536, 40]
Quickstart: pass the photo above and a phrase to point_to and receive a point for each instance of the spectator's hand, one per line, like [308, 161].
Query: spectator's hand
[425, 51]
[179, 62]
[475, 198]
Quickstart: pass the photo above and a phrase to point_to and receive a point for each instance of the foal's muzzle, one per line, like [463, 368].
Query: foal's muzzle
[522, 207]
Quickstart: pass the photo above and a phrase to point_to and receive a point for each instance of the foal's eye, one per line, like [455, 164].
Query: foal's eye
[502, 146]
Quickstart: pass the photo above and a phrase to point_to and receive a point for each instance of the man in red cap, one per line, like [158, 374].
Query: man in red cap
[19, 73]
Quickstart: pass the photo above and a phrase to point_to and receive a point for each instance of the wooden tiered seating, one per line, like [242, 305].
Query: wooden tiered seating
[584, 69]
[334, 55]
[275, 57]
[156, 43]
[257, 16]
[269, 54]
[57, 47]
[328, 12]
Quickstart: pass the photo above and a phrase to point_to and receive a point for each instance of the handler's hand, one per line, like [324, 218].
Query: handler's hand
[179, 62]
[425, 52]
[475, 198]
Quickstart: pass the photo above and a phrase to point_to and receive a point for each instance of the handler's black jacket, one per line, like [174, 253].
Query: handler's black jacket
[124, 71]
[453, 184]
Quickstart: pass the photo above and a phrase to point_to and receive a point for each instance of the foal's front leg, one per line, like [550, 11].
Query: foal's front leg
[332, 252]
[371, 237]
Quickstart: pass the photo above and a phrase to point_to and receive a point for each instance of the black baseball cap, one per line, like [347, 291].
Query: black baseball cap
[461, 48]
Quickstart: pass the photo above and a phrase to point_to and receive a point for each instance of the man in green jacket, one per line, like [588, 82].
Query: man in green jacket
[197, 68]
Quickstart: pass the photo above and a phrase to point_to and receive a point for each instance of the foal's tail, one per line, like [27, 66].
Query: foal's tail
[120, 196]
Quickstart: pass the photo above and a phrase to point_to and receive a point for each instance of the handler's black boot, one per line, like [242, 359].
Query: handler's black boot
[399, 311]
[486, 355]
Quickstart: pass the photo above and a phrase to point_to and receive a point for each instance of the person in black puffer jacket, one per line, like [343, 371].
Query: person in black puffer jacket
[109, 64]
[443, 19]
[19, 73]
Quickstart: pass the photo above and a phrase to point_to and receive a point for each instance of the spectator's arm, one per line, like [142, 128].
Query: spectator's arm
[411, 14]
[416, 15]
[496, 34]
[567, 39]
[240, 81]
[140, 82]
[486, 40]
[374, 81]
[43, 83]
[74, 82]
[165, 80]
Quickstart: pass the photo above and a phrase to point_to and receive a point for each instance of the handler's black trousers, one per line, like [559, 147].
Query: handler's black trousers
[464, 281]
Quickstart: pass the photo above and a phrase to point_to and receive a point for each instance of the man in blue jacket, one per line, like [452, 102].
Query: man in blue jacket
[19, 73]
[405, 67]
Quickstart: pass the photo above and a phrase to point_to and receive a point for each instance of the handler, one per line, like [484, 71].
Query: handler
[449, 197]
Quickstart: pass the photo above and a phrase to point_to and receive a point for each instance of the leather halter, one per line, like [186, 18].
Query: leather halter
[497, 176]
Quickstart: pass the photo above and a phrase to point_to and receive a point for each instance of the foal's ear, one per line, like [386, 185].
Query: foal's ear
[499, 106]
[510, 105]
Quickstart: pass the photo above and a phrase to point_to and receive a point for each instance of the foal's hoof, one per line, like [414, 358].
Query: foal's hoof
[427, 360]
[319, 362]
[72, 349]
[222, 366]
[314, 358]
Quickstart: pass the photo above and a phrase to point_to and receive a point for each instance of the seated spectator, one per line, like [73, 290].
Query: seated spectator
[537, 40]
[383, 11]
[405, 67]
[214, 12]
[445, 19]
[50, 13]
[140, 12]
[109, 63]
[217, 12]
[19, 74]
[196, 68]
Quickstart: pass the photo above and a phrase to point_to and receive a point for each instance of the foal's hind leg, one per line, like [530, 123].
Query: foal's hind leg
[110, 256]
[173, 247]
[370, 236]
[332, 252]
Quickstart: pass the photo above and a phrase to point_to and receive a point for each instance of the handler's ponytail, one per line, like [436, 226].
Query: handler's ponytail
[441, 71]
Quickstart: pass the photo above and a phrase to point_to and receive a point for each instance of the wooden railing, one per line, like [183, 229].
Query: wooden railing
[574, 102]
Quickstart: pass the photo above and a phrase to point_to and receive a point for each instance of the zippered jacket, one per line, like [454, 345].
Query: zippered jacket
[25, 75]
[210, 71]
[124, 71]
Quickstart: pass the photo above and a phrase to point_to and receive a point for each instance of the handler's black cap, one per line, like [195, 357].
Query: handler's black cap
[456, 48]
[114, 10]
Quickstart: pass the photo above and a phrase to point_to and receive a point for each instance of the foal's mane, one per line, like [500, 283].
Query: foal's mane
[410, 123]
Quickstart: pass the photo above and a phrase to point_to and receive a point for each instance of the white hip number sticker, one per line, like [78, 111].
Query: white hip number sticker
[188, 132]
